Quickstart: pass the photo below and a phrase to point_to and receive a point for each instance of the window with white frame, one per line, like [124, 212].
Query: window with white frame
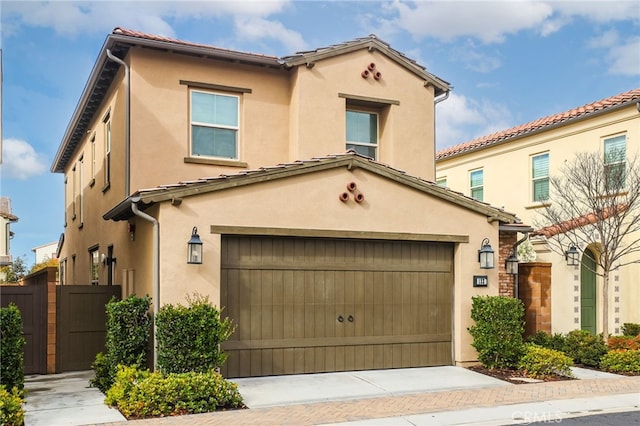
[615, 155]
[476, 184]
[362, 132]
[214, 124]
[540, 177]
[442, 181]
[93, 159]
[81, 191]
[107, 151]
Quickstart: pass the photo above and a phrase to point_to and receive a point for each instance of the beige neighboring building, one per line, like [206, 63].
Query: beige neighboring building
[309, 181]
[511, 168]
[6, 219]
[45, 252]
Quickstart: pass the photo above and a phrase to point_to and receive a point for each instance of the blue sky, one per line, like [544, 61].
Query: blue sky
[509, 62]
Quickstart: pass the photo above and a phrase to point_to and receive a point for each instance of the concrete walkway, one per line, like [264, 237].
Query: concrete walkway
[420, 396]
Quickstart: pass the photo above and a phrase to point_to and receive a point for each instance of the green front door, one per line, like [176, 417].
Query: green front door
[588, 292]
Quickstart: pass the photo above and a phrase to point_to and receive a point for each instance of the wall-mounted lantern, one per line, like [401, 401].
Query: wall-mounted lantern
[485, 255]
[511, 264]
[194, 248]
[571, 256]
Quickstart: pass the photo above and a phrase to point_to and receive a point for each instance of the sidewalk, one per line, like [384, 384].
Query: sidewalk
[430, 396]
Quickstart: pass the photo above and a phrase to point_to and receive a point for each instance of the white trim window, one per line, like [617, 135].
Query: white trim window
[540, 177]
[476, 184]
[442, 181]
[615, 155]
[215, 122]
[362, 132]
[94, 257]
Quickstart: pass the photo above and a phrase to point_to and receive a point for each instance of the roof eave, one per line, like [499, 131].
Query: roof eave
[541, 130]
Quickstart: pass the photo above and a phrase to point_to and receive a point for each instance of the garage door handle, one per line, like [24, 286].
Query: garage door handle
[340, 318]
[350, 318]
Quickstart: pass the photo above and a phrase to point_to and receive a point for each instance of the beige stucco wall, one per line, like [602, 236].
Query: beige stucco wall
[311, 201]
[507, 182]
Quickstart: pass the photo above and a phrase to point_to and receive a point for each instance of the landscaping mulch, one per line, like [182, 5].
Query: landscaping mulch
[513, 376]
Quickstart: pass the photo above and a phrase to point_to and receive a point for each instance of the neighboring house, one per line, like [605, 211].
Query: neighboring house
[6, 219]
[324, 262]
[45, 252]
[512, 167]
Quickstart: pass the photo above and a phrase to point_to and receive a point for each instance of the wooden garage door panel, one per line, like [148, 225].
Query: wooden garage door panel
[310, 305]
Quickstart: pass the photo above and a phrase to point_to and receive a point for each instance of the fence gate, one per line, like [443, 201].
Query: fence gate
[81, 324]
[32, 303]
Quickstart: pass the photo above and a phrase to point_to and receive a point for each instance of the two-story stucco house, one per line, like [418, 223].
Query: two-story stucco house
[512, 168]
[308, 179]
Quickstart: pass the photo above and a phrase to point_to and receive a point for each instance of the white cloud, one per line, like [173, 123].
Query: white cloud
[488, 21]
[72, 18]
[256, 28]
[20, 160]
[476, 60]
[624, 58]
[460, 119]
[607, 39]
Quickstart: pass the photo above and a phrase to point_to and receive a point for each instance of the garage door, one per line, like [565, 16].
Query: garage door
[305, 305]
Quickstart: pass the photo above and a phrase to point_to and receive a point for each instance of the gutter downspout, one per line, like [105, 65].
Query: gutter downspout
[127, 121]
[436, 101]
[156, 271]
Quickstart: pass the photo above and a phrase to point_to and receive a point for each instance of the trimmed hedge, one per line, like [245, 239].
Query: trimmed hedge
[189, 338]
[621, 361]
[497, 334]
[139, 394]
[630, 329]
[624, 342]
[11, 412]
[128, 331]
[11, 348]
[585, 348]
[539, 362]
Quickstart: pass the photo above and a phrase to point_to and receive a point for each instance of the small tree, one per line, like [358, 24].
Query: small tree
[595, 202]
[14, 272]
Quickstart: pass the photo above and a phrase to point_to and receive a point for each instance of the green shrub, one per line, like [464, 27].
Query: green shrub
[128, 331]
[550, 341]
[11, 348]
[189, 338]
[621, 361]
[497, 334]
[11, 413]
[539, 362]
[140, 394]
[584, 347]
[624, 342]
[630, 329]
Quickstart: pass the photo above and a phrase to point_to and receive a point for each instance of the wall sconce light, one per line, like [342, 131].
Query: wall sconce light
[511, 264]
[485, 255]
[571, 256]
[194, 248]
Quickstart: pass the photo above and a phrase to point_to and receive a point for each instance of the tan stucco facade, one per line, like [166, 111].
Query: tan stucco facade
[288, 114]
[508, 182]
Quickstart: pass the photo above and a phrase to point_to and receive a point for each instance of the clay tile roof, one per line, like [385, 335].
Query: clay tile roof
[154, 37]
[578, 222]
[541, 124]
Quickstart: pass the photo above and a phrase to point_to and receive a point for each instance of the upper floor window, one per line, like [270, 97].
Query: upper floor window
[93, 159]
[615, 154]
[442, 181]
[362, 132]
[476, 184]
[214, 124]
[540, 177]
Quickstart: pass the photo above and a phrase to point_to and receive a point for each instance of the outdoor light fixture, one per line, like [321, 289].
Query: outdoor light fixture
[485, 255]
[194, 248]
[511, 264]
[571, 256]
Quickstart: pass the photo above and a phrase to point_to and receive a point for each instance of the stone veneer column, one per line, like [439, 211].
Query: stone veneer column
[505, 281]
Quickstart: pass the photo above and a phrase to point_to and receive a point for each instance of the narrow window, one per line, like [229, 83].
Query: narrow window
[74, 185]
[540, 177]
[93, 159]
[362, 132]
[476, 184]
[442, 181]
[615, 154]
[81, 191]
[214, 124]
[94, 258]
[107, 151]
